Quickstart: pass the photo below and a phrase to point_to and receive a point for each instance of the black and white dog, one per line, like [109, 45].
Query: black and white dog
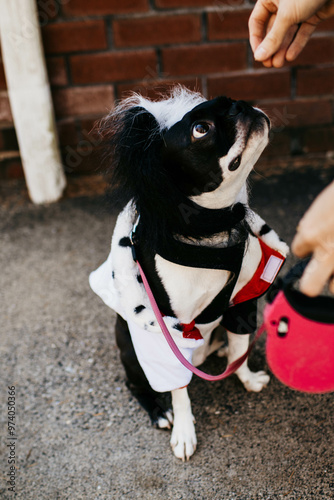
[179, 167]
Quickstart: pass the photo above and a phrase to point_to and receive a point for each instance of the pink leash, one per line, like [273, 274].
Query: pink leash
[229, 370]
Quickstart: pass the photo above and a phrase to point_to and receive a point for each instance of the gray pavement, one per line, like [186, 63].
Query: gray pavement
[80, 434]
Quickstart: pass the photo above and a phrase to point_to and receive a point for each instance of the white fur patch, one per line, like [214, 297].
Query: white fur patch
[233, 186]
[181, 283]
[168, 111]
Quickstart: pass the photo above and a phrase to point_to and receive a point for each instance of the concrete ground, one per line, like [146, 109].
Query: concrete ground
[80, 434]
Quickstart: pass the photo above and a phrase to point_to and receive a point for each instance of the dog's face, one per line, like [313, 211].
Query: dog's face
[214, 146]
[184, 147]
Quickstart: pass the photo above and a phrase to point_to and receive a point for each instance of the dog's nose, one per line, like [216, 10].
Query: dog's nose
[237, 108]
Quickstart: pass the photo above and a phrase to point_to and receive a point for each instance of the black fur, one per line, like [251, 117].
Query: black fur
[143, 166]
[155, 403]
[265, 229]
[139, 309]
[125, 242]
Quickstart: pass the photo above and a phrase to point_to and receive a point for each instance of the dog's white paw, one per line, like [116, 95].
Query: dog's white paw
[165, 422]
[183, 440]
[255, 381]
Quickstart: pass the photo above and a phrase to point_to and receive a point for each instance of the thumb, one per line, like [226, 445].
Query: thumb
[273, 40]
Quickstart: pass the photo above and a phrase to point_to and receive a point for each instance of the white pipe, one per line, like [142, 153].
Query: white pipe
[30, 99]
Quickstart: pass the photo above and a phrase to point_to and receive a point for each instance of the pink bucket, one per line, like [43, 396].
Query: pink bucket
[300, 340]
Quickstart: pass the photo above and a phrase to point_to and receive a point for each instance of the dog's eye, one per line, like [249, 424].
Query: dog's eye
[200, 130]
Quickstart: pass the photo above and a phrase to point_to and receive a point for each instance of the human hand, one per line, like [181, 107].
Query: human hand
[280, 29]
[315, 234]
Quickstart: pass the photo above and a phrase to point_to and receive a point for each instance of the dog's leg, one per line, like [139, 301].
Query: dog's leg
[153, 402]
[237, 346]
[183, 440]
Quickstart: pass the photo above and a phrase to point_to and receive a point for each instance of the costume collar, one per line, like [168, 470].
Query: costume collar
[228, 258]
[191, 255]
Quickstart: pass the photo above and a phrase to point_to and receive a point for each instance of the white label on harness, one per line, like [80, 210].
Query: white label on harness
[271, 269]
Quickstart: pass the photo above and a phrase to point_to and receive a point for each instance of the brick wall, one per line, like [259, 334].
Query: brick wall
[97, 51]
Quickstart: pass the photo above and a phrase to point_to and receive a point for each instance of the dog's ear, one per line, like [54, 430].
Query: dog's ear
[131, 130]
[132, 142]
[138, 128]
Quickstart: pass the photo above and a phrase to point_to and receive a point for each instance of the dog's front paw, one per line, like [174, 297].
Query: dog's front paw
[183, 440]
[255, 381]
[164, 420]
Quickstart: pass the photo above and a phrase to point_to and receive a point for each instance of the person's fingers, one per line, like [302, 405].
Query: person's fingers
[273, 40]
[307, 28]
[268, 63]
[280, 57]
[300, 246]
[315, 230]
[302, 37]
[317, 273]
[257, 25]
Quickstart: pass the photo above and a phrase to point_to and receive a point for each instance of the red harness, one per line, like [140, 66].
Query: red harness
[268, 268]
[270, 264]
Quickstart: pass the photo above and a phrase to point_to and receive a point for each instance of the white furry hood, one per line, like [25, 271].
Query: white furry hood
[167, 111]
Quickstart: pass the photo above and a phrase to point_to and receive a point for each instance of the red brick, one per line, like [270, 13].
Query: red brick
[315, 81]
[14, 169]
[156, 30]
[251, 86]
[113, 67]
[76, 101]
[327, 25]
[67, 132]
[57, 71]
[319, 139]
[3, 84]
[319, 50]
[77, 145]
[169, 4]
[81, 159]
[229, 25]
[47, 10]
[74, 36]
[279, 144]
[5, 112]
[9, 139]
[301, 113]
[87, 125]
[154, 88]
[89, 134]
[102, 7]
[203, 59]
